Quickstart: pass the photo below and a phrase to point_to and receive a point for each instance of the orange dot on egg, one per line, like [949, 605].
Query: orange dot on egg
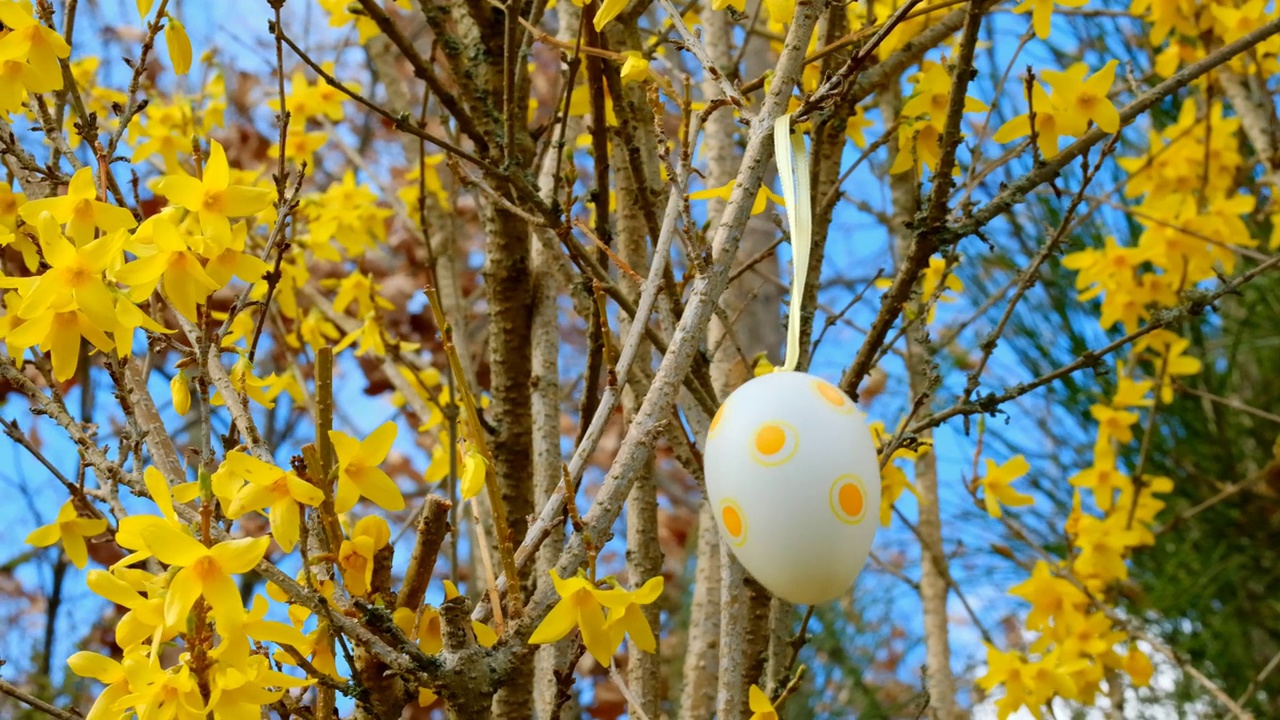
[734, 523]
[770, 438]
[851, 500]
[832, 394]
[715, 421]
[848, 499]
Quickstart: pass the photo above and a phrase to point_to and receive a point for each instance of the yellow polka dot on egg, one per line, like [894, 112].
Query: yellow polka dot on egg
[715, 421]
[834, 396]
[848, 499]
[774, 443]
[735, 523]
[770, 439]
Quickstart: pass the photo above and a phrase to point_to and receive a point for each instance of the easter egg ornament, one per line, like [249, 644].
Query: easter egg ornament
[792, 472]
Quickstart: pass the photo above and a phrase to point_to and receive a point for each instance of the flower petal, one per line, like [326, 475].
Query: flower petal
[99, 667]
[556, 624]
[240, 555]
[377, 446]
[158, 486]
[217, 173]
[224, 597]
[303, 491]
[379, 488]
[184, 588]
[284, 523]
[182, 190]
[601, 641]
[171, 546]
[77, 553]
[347, 494]
[44, 536]
[241, 200]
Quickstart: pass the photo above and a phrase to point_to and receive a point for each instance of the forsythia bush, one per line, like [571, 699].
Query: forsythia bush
[145, 248]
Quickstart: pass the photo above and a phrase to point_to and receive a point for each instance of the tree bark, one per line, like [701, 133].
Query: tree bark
[934, 588]
[635, 194]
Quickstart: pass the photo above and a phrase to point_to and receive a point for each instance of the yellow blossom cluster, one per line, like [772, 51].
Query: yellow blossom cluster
[1185, 28]
[1193, 226]
[924, 115]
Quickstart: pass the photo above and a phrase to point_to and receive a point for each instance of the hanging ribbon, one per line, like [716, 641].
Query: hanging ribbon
[793, 170]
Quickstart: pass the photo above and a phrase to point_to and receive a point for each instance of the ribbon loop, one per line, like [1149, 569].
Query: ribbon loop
[792, 159]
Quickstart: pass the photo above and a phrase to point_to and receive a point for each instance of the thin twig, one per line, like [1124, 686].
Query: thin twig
[26, 698]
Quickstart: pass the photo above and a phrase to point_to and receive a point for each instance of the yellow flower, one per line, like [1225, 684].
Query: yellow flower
[270, 487]
[154, 686]
[1050, 596]
[608, 10]
[339, 16]
[241, 688]
[358, 471]
[1113, 424]
[80, 209]
[894, 482]
[761, 707]
[111, 674]
[1082, 99]
[1138, 666]
[761, 366]
[370, 336]
[1148, 505]
[74, 279]
[925, 112]
[855, 127]
[205, 571]
[308, 101]
[179, 45]
[71, 530]
[255, 625]
[30, 41]
[580, 606]
[1169, 349]
[996, 485]
[781, 11]
[1130, 393]
[360, 289]
[180, 389]
[1076, 100]
[170, 260]
[316, 331]
[246, 383]
[145, 618]
[1103, 545]
[59, 333]
[355, 556]
[473, 473]
[635, 68]
[439, 467]
[129, 534]
[1042, 12]
[428, 632]
[763, 196]
[626, 616]
[1102, 477]
[212, 197]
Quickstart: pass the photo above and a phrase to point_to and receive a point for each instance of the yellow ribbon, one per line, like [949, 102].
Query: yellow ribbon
[793, 170]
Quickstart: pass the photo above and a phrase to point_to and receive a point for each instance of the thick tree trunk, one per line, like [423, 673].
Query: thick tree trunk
[635, 194]
[934, 587]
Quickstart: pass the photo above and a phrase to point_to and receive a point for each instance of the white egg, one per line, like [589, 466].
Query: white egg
[794, 482]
